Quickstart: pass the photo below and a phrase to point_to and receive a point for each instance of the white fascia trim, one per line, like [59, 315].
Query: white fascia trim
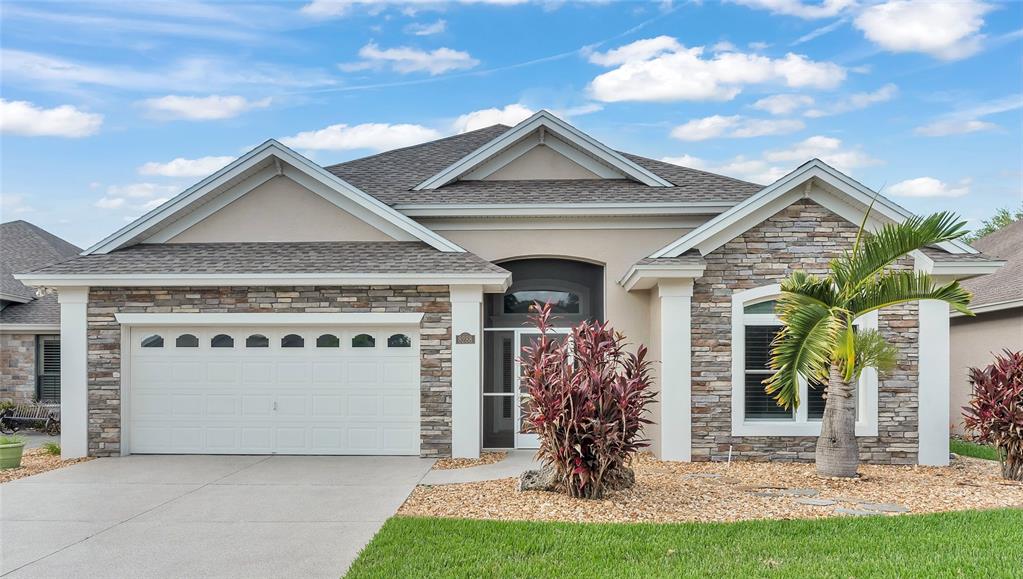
[814, 168]
[492, 282]
[866, 423]
[30, 329]
[562, 209]
[272, 319]
[955, 269]
[641, 277]
[992, 307]
[560, 128]
[152, 220]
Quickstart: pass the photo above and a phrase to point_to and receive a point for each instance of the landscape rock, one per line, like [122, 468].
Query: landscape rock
[542, 479]
[884, 507]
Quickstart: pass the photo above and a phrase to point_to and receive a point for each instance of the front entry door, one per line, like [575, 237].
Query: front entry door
[503, 389]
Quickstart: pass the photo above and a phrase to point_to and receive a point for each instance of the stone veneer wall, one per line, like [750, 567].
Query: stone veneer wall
[802, 236]
[104, 361]
[18, 367]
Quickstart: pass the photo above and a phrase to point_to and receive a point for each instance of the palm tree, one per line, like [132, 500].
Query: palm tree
[817, 340]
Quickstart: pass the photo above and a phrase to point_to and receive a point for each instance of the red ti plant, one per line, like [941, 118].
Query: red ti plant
[995, 412]
[587, 401]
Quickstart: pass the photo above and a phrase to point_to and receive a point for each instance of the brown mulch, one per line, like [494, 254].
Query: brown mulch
[485, 458]
[35, 461]
[663, 493]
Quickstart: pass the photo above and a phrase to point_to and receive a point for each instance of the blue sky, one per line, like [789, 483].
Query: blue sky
[108, 108]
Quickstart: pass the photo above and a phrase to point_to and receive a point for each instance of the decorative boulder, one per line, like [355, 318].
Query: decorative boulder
[543, 479]
[620, 479]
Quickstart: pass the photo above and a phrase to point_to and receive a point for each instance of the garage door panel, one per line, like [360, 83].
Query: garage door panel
[301, 400]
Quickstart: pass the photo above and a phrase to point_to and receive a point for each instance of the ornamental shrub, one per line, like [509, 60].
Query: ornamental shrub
[587, 401]
[995, 413]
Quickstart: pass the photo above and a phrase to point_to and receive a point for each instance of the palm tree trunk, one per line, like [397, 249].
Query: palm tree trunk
[837, 451]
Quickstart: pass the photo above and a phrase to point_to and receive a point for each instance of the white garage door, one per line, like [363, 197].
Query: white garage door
[263, 390]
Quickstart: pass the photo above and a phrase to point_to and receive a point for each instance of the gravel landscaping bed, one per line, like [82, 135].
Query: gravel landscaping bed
[485, 458]
[35, 461]
[674, 492]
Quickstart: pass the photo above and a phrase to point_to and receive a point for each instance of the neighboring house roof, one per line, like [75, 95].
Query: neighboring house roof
[23, 247]
[392, 176]
[1005, 286]
[274, 258]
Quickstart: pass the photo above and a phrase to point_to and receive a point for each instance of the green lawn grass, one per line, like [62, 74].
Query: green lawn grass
[964, 544]
[964, 448]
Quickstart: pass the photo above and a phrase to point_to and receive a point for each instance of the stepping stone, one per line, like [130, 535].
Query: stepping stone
[884, 507]
[701, 475]
[854, 512]
[816, 502]
[798, 492]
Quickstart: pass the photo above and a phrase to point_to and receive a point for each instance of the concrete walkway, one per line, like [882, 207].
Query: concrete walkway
[201, 516]
[512, 466]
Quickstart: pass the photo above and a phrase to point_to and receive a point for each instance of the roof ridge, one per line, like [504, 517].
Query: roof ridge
[423, 144]
[701, 171]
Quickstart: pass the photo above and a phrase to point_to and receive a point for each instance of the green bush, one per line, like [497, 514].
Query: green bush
[52, 448]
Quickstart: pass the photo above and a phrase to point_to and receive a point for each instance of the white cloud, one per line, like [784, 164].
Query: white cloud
[723, 46]
[783, 104]
[24, 118]
[740, 167]
[953, 127]
[423, 29]
[206, 108]
[735, 126]
[405, 59]
[136, 196]
[662, 69]
[17, 204]
[339, 8]
[855, 101]
[509, 115]
[799, 8]
[929, 187]
[373, 136]
[827, 149]
[946, 29]
[181, 167]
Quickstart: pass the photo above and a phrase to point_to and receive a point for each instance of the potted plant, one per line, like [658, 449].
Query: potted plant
[11, 448]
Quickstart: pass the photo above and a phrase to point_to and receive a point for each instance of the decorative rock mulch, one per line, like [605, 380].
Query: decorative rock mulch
[485, 458]
[35, 461]
[675, 492]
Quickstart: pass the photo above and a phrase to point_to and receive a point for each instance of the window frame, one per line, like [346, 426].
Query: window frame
[800, 425]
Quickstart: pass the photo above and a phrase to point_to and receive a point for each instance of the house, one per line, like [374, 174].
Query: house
[377, 306]
[29, 324]
[998, 325]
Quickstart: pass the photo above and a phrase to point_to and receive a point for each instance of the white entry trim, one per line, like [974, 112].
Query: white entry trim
[302, 319]
[866, 422]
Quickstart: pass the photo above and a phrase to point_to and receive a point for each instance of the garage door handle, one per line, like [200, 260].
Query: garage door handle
[275, 406]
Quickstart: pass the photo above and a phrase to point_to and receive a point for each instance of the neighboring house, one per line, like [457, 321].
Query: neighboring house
[378, 306]
[29, 325]
[998, 325]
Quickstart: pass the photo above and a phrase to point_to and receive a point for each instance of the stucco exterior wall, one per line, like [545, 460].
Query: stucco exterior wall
[802, 236]
[18, 367]
[280, 210]
[541, 163]
[104, 335]
[974, 343]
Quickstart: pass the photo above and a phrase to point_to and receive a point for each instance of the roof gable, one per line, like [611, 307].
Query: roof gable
[544, 129]
[815, 180]
[265, 162]
[24, 247]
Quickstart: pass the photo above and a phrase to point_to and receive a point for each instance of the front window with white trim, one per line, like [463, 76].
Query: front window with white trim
[754, 412]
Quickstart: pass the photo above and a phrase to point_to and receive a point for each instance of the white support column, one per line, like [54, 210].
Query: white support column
[466, 370]
[933, 394]
[74, 382]
[676, 369]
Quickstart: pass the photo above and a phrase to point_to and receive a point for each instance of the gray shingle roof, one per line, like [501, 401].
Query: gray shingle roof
[940, 255]
[1006, 284]
[327, 257]
[691, 257]
[390, 177]
[24, 247]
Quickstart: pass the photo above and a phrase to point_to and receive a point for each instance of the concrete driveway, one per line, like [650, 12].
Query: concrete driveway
[208, 516]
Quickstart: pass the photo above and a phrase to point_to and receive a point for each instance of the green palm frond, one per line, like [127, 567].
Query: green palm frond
[801, 348]
[819, 289]
[898, 287]
[873, 351]
[892, 241]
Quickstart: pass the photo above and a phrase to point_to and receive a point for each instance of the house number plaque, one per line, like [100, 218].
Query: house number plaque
[465, 338]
